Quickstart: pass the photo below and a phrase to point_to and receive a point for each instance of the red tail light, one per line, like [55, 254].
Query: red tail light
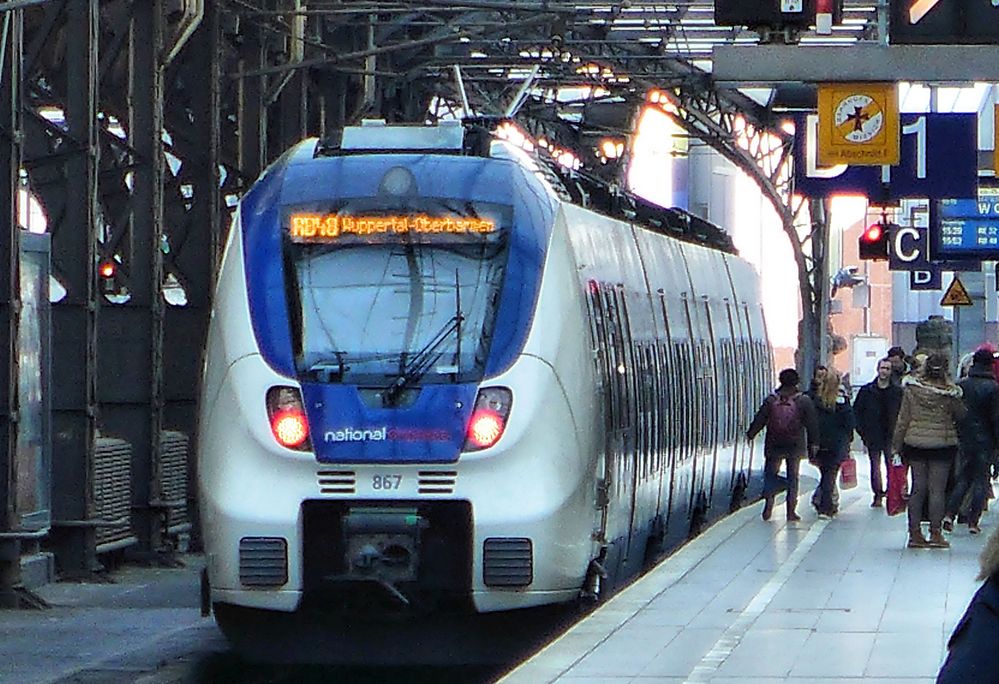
[289, 425]
[485, 427]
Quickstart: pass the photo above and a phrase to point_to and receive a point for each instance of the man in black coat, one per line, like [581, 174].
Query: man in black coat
[875, 410]
[972, 647]
[979, 434]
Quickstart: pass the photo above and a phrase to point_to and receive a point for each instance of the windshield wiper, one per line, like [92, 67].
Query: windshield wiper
[414, 368]
[421, 362]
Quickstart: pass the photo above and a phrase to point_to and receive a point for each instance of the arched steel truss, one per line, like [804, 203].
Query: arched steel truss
[137, 122]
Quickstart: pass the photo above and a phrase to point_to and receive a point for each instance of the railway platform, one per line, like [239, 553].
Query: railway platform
[139, 625]
[754, 602]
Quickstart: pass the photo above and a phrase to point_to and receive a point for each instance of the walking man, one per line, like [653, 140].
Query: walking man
[876, 410]
[899, 368]
[979, 435]
[789, 417]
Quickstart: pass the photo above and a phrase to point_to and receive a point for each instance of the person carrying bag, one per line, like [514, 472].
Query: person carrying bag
[926, 437]
[835, 423]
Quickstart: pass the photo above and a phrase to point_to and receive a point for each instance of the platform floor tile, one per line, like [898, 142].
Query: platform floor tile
[756, 602]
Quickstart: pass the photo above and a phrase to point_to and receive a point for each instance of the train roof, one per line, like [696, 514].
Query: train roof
[475, 138]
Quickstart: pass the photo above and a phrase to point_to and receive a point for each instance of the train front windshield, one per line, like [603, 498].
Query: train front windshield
[386, 292]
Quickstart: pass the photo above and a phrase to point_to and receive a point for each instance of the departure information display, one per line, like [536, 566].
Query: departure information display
[966, 227]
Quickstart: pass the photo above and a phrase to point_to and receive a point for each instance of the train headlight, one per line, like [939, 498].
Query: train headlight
[485, 427]
[289, 425]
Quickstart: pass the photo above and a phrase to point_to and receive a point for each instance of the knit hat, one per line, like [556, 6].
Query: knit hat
[982, 357]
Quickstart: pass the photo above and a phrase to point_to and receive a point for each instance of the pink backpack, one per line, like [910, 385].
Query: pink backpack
[784, 421]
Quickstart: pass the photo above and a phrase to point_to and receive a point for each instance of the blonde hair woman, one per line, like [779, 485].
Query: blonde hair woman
[836, 422]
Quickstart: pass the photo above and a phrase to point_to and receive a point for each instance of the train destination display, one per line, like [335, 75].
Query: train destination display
[326, 227]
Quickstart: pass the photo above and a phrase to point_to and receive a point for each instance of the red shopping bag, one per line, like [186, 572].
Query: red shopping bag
[848, 473]
[898, 484]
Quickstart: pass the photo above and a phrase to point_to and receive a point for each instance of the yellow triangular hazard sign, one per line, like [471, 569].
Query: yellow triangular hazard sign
[956, 295]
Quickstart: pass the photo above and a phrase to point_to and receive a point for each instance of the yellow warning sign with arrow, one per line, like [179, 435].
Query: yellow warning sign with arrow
[956, 295]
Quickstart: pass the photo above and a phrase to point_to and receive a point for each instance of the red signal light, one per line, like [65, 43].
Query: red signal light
[290, 428]
[289, 424]
[873, 242]
[107, 269]
[488, 421]
[484, 429]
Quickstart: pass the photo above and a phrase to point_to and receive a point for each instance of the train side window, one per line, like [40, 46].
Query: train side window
[685, 406]
[598, 322]
[651, 381]
[655, 391]
[625, 365]
[739, 383]
[669, 395]
[616, 347]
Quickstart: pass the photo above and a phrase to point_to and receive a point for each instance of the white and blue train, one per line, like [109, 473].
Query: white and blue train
[433, 385]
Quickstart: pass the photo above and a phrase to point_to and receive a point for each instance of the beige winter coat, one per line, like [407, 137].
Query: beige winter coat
[929, 415]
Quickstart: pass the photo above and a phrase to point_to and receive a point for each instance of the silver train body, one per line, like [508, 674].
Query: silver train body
[628, 363]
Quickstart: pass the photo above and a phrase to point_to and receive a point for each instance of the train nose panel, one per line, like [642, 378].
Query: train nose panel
[429, 427]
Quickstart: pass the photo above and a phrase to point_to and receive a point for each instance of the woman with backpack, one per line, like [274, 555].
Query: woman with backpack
[789, 417]
[836, 423]
[926, 437]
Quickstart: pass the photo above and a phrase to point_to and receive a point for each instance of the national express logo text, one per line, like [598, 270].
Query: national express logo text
[385, 433]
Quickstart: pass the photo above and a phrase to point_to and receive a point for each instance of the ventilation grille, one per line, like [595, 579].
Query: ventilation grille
[507, 562]
[437, 481]
[337, 481]
[263, 561]
[174, 449]
[113, 493]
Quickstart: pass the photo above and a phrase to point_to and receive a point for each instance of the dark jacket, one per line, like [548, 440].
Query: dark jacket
[979, 430]
[835, 428]
[876, 410]
[972, 646]
[809, 428]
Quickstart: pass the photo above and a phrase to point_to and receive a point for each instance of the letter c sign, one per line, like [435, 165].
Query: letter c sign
[906, 245]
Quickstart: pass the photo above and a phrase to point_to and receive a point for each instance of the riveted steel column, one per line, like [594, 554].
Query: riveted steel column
[11, 53]
[74, 318]
[197, 257]
[132, 338]
[293, 100]
[252, 107]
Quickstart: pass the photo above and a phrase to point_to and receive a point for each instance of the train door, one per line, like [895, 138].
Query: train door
[616, 496]
[631, 455]
[762, 377]
[601, 339]
[710, 386]
[669, 397]
[737, 366]
[692, 402]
